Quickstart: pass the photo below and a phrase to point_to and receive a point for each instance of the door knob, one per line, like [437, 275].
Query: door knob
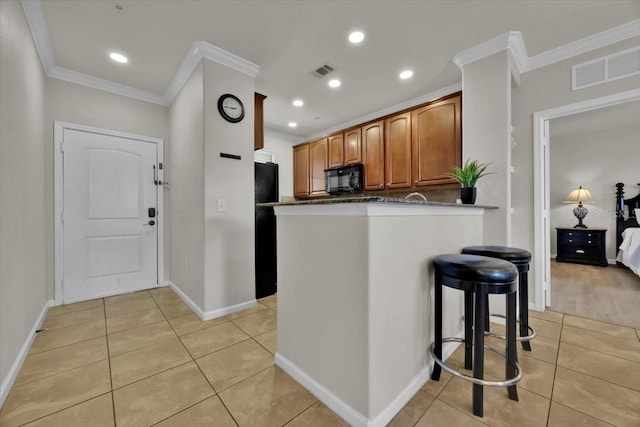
[152, 222]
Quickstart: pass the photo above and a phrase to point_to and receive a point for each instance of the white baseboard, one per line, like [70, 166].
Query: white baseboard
[353, 417]
[344, 410]
[208, 315]
[6, 385]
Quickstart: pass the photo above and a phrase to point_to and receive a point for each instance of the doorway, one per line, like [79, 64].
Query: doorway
[109, 219]
[542, 228]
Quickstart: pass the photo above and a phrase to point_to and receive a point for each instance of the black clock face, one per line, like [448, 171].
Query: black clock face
[231, 108]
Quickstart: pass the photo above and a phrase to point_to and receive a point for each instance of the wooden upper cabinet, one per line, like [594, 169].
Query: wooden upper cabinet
[352, 147]
[336, 150]
[373, 155]
[437, 141]
[301, 170]
[398, 151]
[258, 121]
[318, 162]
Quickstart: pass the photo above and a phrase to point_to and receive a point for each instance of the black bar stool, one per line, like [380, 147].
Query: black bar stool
[477, 276]
[521, 259]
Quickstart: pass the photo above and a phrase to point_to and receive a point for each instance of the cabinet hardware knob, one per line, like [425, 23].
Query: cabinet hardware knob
[579, 251]
[589, 241]
[570, 241]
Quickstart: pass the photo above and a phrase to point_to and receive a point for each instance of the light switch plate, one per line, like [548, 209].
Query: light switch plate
[222, 205]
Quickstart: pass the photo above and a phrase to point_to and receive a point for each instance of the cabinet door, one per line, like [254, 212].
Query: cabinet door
[301, 170]
[373, 155]
[437, 142]
[258, 121]
[336, 157]
[398, 151]
[352, 149]
[318, 162]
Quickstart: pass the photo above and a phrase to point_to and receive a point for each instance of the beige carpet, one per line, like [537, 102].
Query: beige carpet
[608, 294]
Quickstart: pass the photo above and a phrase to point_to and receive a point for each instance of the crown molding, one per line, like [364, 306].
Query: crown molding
[587, 44]
[511, 40]
[199, 49]
[514, 42]
[38, 26]
[185, 69]
[228, 59]
[106, 85]
[389, 110]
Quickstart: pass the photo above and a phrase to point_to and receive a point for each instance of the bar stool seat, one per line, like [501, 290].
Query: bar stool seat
[477, 276]
[521, 259]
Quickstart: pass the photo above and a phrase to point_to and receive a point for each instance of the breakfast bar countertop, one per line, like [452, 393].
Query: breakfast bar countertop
[371, 199]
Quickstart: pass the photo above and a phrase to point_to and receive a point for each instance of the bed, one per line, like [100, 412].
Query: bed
[628, 229]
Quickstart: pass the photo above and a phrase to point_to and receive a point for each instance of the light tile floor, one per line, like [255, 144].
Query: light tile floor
[145, 359]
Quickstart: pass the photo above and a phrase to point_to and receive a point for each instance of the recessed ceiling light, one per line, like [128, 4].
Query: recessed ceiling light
[298, 102]
[406, 74]
[118, 57]
[293, 124]
[334, 83]
[356, 37]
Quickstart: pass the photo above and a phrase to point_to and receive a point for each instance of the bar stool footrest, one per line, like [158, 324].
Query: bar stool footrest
[506, 383]
[532, 332]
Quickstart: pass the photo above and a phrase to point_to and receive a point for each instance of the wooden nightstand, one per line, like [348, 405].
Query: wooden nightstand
[582, 245]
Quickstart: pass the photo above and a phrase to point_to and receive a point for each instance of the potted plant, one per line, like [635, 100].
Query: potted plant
[467, 176]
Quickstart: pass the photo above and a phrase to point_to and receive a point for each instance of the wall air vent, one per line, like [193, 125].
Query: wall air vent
[323, 70]
[264, 156]
[606, 69]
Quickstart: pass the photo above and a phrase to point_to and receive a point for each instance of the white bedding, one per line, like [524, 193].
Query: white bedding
[629, 253]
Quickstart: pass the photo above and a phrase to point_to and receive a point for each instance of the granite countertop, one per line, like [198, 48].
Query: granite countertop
[370, 199]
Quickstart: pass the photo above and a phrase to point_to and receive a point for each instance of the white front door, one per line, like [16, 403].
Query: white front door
[110, 234]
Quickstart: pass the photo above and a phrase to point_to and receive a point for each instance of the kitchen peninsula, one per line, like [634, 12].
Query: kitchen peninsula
[355, 297]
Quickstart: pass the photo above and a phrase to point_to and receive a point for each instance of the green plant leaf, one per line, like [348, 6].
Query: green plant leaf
[469, 173]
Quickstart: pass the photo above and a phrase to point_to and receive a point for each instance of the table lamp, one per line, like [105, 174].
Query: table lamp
[579, 195]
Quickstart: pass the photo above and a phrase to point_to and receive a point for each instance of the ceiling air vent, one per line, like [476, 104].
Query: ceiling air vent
[323, 70]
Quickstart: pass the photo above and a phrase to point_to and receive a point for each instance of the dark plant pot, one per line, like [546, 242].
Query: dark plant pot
[468, 195]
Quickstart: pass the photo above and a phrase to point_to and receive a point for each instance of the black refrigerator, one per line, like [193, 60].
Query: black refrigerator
[266, 185]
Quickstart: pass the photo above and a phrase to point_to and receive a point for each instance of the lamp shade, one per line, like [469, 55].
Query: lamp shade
[579, 195]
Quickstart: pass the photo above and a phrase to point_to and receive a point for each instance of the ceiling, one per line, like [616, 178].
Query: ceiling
[289, 39]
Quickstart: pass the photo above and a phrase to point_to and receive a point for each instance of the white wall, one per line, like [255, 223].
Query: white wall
[282, 147]
[486, 112]
[229, 236]
[185, 174]
[24, 283]
[81, 105]
[539, 90]
[597, 161]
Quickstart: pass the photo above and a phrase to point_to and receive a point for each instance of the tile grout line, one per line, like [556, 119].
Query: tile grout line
[113, 401]
[555, 371]
[302, 412]
[425, 410]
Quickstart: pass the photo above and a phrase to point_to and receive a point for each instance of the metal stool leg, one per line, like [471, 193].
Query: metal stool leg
[478, 348]
[523, 293]
[512, 351]
[437, 345]
[468, 330]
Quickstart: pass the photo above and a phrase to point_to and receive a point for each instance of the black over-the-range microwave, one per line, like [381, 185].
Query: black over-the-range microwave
[344, 179]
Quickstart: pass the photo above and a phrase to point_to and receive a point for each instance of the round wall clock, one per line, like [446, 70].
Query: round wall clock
[231, 108]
